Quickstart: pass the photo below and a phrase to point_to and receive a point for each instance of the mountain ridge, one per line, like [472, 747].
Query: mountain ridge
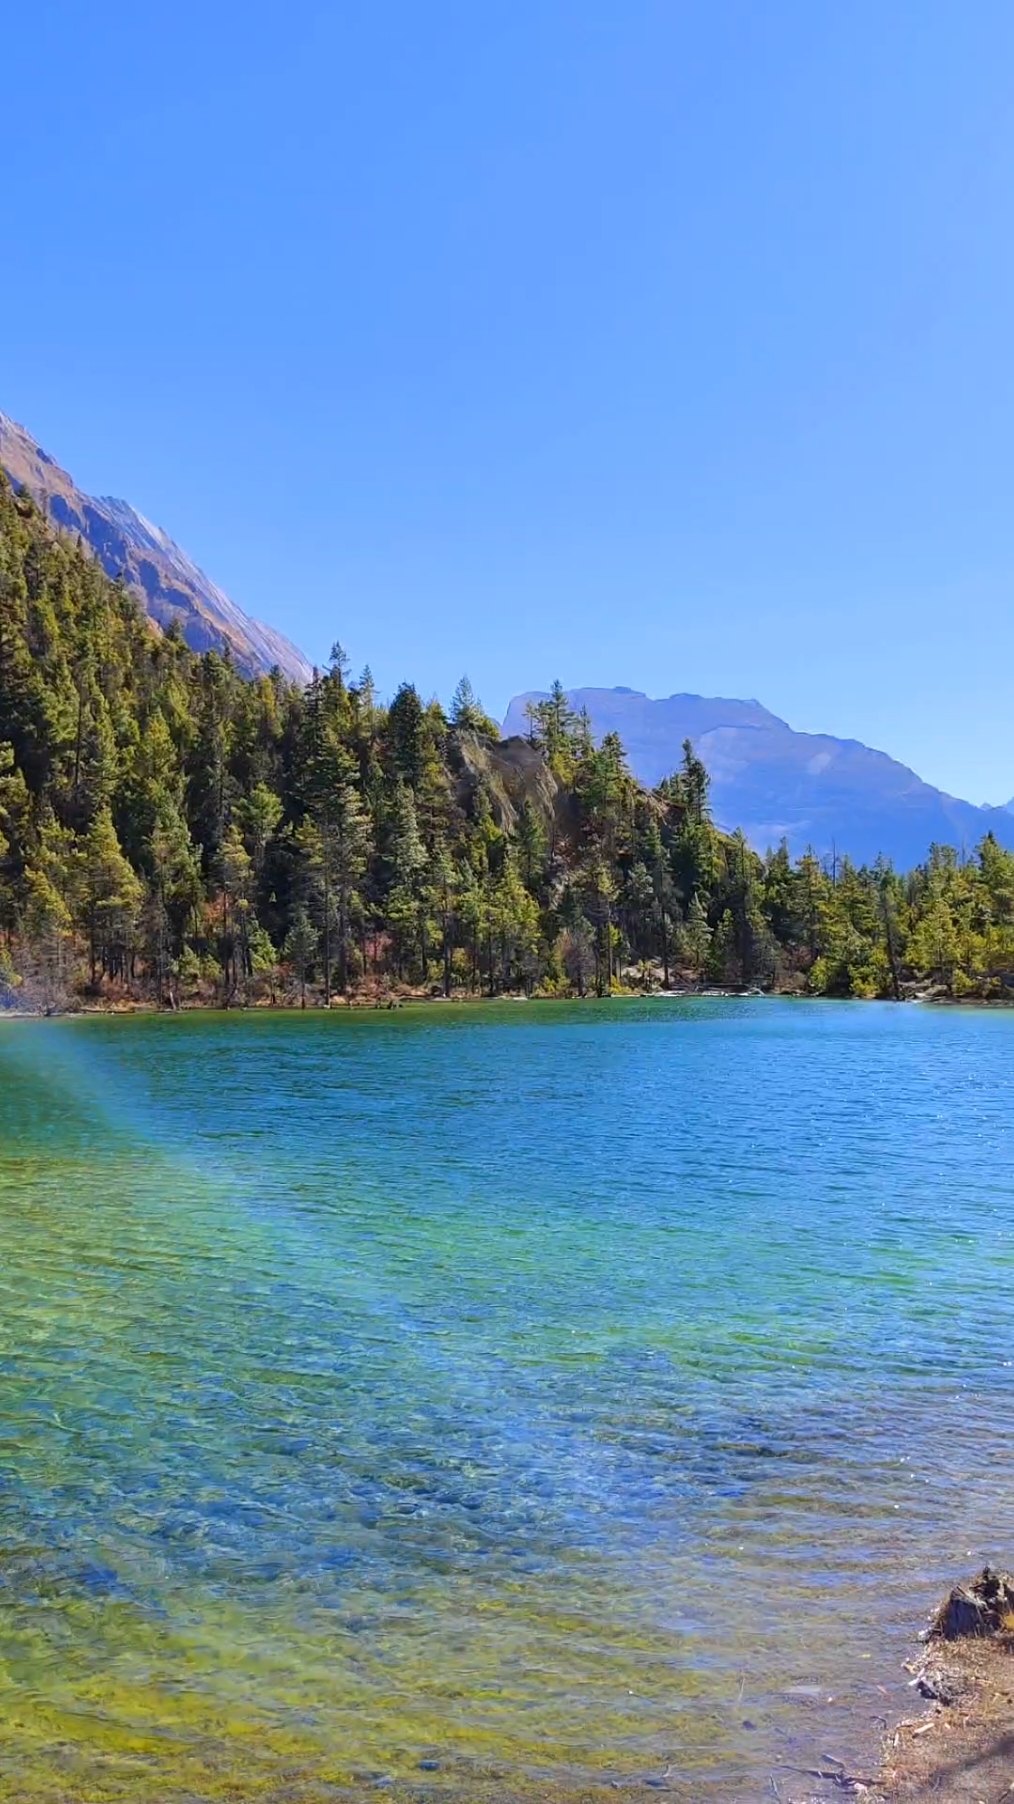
[168, 584]
[814, 790]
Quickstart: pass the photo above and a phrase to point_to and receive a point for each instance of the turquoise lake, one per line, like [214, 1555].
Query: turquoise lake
[492, 1402]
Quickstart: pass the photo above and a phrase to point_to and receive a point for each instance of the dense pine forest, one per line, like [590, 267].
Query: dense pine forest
[173, 833]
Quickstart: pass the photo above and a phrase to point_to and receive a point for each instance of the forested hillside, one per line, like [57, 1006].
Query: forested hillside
[172, 831]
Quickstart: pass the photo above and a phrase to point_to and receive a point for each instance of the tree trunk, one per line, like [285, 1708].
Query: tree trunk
[77, 748]
[343, 958]
[327, 935]
[891, 951]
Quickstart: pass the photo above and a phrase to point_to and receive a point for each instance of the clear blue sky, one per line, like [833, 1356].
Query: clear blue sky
[650, 343]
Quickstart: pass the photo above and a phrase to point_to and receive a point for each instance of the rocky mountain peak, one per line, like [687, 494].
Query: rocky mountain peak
[167, 583]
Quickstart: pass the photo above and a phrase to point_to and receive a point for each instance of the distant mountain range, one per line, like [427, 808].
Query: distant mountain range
[167, 583]
[836, 795]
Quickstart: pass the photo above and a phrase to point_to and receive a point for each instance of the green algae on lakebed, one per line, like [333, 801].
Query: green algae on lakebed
[475, 1402]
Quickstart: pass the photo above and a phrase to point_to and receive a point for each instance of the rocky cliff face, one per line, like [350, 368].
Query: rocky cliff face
[836, 795]
[167, 584]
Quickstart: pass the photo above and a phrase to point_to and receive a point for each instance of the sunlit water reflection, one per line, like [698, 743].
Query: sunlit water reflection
[484, 1401]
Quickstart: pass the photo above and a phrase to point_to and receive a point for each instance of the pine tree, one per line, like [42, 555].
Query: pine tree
[108, 895]
[696, 936]
[300, 949]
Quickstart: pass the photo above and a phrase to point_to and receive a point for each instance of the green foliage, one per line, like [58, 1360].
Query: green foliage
[468, 714]
[170, 830]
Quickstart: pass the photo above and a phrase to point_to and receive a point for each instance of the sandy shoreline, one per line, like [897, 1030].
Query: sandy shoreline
[960, 1748]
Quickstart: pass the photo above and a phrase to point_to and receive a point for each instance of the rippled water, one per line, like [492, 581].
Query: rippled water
[478, 1402]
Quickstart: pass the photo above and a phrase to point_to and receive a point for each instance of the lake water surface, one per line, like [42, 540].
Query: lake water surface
[482, 1403]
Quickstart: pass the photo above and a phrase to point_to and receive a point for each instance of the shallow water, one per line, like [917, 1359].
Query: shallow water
[484, 1401]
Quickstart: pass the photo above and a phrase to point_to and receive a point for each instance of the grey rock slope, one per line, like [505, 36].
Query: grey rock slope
[166, 582]
[836, 795]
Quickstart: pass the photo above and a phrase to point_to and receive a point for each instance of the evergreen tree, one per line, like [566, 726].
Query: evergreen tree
[159, 813]
[300, 948]
[108, 896]
[696, 935]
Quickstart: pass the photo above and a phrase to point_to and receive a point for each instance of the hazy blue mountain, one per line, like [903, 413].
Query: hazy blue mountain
[809, 788]
[167, 583]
